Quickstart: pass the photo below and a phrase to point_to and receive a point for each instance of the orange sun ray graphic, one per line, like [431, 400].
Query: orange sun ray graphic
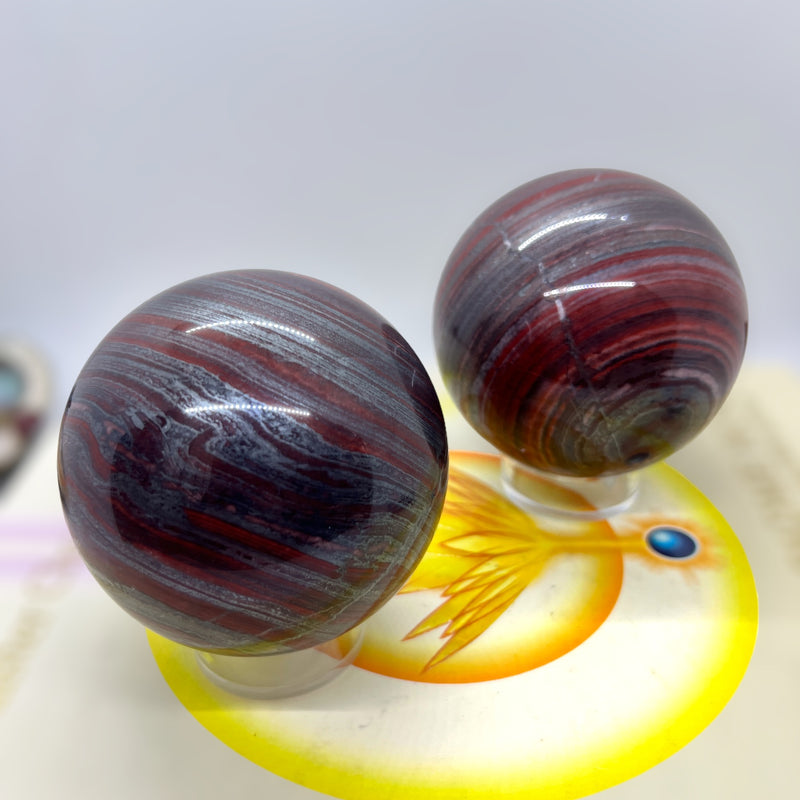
[486, 553]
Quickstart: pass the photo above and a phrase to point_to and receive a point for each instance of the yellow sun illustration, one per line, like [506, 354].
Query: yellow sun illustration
[522, 659]
[488, 556]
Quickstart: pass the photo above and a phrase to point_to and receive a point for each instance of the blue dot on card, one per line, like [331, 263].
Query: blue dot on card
[671, 542]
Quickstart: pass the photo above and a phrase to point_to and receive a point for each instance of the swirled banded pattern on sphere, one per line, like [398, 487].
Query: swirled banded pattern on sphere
[590, 322]
[252, 462]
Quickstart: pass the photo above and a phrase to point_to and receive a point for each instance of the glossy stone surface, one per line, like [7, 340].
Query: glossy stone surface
[252, 462]
[590, 322]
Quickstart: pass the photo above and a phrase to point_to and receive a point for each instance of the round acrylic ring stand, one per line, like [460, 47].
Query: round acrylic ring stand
[552, 656]
[285, 674]
[581, 498]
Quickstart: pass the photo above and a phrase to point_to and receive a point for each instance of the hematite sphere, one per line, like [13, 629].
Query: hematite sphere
[590, 322]
[252, 462]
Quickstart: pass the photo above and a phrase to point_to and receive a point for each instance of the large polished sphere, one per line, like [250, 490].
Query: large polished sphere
[252, 462]
[590, 322]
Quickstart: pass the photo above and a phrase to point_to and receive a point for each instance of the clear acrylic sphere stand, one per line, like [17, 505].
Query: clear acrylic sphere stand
[582, 498]
[282, 674]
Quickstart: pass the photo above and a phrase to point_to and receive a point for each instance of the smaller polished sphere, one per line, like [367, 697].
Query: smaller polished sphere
[590, 322]
[252, 462]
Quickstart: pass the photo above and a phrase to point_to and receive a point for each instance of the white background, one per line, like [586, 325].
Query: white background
[143, 143]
